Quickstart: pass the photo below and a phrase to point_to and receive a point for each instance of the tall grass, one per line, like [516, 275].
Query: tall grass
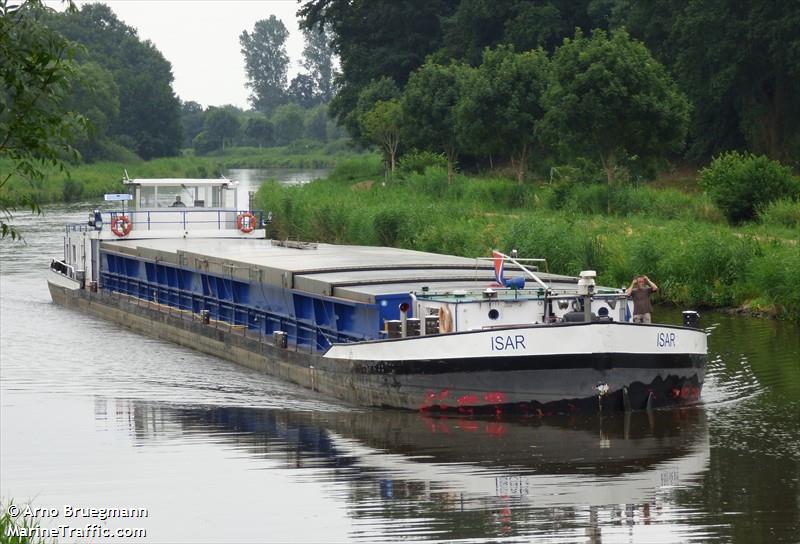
[783, 213]
[680, 241]
[9, 523]
[93, 180]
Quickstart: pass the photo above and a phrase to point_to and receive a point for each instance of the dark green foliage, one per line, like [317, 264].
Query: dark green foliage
[204, 144]
[374, 39]
[416, 161]
[73, 190]
[740, 183]
[772, 277]
[784, 212]
[192, 120]
[149, 111]
[501, 105]
[738, 63]
[288, 122]
[525, 25]
[222, 124]
[316, 124]
[36, 72]
[609, 98]
[430, 99]
[95, 95]
[301, 91]
[387, 224]
[380, 90]
[259, 131]
[318, 59]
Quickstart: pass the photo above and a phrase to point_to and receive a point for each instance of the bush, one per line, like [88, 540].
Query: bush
[497, 193]
[73, 190]
[387, 224]
[416, 162]
[204, 144]
[781, 213]
[773, 277]
[433, 182]
[299, 147]
[360, 169]
[740, 183]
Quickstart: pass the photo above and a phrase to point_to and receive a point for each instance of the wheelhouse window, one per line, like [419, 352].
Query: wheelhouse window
[184, 196]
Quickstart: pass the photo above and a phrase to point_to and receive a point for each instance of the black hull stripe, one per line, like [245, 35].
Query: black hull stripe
[596, 361]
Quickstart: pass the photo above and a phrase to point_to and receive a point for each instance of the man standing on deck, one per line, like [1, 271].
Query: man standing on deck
[640, 290]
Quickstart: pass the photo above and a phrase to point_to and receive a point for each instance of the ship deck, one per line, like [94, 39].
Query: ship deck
[358, 273]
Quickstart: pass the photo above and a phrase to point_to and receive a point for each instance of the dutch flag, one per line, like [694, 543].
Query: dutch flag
[499, 260]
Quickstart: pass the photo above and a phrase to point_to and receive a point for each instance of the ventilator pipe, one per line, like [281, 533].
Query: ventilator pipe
[404, 306]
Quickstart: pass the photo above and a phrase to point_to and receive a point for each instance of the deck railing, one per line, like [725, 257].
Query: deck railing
[171, 219]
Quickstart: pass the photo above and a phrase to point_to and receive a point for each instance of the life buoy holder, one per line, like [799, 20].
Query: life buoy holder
[121, 225]
[246, 222]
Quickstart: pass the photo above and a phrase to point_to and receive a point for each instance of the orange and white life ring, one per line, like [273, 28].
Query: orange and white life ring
[121, 225]
[246, 222]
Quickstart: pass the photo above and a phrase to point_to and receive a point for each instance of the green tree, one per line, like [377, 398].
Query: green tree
[375, 39]
[203, 143]
[192, 118]
[266, 63]
[149, 112]
[478, 24]
[94, 94]
[288, 121]
[318, 59]
[35, 132]
[222, 124]
[384, 124]
[739, 64]
[301, 91]
[260, 130]
[317, 123]
[383, 88]
[610, 99]
[739, 184]
[430, 99]
[501, 108]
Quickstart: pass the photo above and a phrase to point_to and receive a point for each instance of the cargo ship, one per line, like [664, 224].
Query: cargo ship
[373, 326]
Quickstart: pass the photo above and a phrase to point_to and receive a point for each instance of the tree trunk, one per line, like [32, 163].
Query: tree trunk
[393, 144]
[609, 165]
[520, 163]
[450, 152]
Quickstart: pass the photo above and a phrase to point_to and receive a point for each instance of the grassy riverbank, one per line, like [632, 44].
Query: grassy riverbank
[90, 181]
[678, 239]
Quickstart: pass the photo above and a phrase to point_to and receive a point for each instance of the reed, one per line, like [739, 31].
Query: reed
[9, 525]
[686, 247]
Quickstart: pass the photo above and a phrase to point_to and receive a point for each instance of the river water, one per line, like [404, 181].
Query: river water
[94, 416]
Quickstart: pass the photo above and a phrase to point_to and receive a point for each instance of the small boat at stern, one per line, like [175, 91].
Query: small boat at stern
[372, 326]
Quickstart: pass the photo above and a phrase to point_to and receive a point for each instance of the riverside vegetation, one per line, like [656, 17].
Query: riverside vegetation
[90, 181]
[681, 239]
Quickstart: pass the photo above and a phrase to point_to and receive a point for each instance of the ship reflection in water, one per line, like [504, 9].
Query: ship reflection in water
[412, 475]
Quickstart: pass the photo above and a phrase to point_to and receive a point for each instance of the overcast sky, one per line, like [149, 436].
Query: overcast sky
[201, 40]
